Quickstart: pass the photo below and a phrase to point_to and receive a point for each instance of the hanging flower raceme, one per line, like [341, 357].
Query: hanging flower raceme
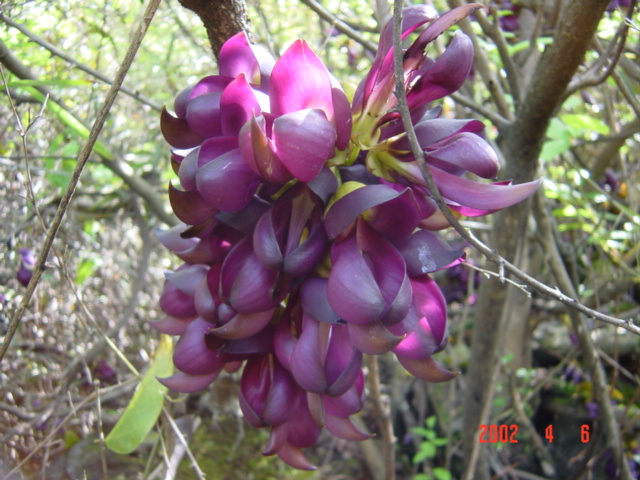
[306, 235]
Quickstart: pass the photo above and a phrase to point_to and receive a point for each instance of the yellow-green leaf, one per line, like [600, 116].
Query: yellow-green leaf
[144, 409]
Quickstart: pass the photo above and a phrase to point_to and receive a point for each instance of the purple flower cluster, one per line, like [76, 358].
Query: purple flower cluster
[307, 235]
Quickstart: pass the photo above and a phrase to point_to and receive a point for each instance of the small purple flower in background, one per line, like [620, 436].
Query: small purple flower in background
[27, 263]
[306, 235]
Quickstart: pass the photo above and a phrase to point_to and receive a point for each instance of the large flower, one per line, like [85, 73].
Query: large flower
[305, 241]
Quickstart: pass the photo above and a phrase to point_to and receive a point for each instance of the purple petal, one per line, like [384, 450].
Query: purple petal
[352, 290]
[445, 76]
[177, 131]
[481, 195]
[342, 118]
[304, 140]
[243, 325]
[306, 358]
[294, 457]
[372, 338]
[428, 370]
[462, 152]
[416, 51]
[433, 130]
[192, 354]
[171, 325]
[203, 115]
[348, 208]
[314, 300]
[185, 383]
[426, 252]
[227, 182]
[190, 207]
[259, 152]
[344, 428]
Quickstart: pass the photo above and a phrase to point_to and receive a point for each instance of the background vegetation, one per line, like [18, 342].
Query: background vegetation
[527, 360]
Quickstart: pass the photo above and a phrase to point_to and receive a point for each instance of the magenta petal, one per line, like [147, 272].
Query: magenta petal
[300, 81]
[344, 428]
[436, 129]
[238, 104]
[185, 383]
[427, 369]
[342, 118]
[481, 195]
[227, 182]
[237, 56]
[304, 140]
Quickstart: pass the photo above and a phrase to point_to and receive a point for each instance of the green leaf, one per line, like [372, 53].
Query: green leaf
[442, 473]
[422, 476]
[581, 123]
[144, 409]
[86, 269]
[427, 450]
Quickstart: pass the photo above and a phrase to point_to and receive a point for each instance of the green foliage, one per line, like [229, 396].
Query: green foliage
[429, 444]
[144, 409]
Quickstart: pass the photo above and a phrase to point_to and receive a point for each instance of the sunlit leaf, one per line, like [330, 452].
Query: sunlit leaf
[144, 409]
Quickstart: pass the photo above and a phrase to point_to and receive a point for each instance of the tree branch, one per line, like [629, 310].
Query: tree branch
[222, 19]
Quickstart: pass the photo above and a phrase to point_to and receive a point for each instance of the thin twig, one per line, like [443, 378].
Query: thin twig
[340, 25]
[77, 172]
[383, 418]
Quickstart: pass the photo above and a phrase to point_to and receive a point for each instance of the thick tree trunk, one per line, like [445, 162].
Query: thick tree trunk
[521, 142]
[221, 18]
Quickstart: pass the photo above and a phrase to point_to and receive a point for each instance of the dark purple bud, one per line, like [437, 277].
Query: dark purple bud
[27, 264]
